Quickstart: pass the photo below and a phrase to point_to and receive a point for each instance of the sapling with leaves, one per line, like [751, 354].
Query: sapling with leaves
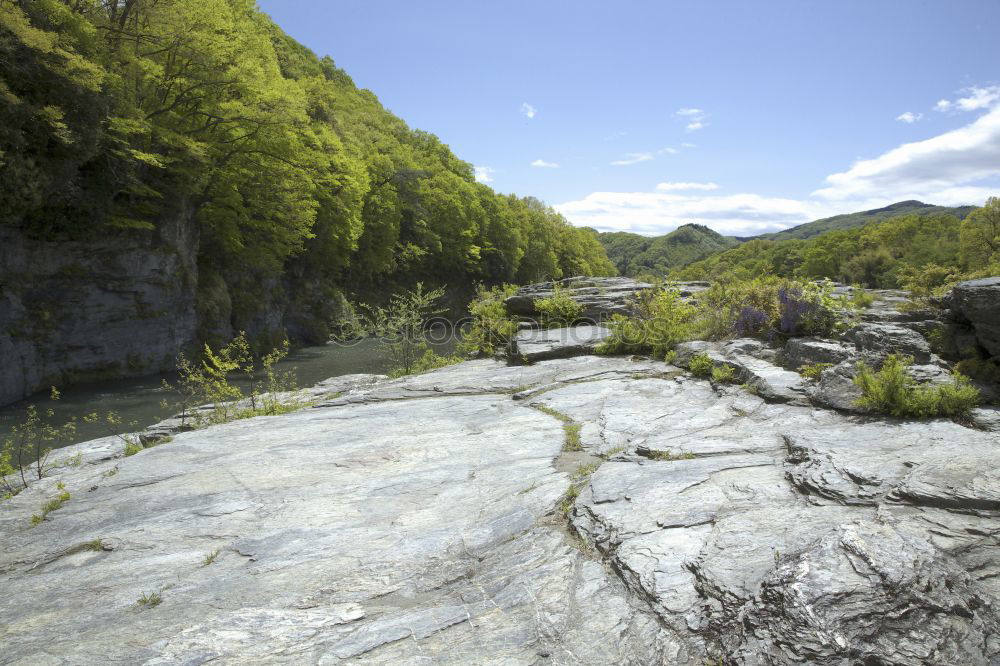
[25, 451]
[399, 326]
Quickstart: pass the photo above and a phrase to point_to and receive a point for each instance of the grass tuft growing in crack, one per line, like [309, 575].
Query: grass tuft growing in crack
[51, 505]
[210, 558]
[571, 429]
[669, 455]
[149, 599]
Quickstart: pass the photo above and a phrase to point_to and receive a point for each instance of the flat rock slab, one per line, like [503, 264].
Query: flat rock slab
[421, 520]
[548, 343]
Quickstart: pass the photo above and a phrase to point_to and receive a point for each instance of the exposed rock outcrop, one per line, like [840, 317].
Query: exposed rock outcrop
[419, 519]
[977, 304]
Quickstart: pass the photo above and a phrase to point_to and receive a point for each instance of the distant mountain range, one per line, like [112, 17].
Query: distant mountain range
[634, 254]
[852, 220]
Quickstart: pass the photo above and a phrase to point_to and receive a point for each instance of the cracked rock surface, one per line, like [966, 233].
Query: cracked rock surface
[420, 521]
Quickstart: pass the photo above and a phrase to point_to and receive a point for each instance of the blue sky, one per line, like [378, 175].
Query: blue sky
[744, 116]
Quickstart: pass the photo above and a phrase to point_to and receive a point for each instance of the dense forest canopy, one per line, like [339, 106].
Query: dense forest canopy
[114, 111]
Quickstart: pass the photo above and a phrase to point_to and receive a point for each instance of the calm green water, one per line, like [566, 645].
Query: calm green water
[139, 399]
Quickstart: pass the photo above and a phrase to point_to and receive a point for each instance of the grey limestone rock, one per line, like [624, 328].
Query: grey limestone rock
[977, 302]
[421, 520]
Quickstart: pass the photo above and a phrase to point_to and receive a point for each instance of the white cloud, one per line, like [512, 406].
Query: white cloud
[979, 98]
[484, 174]
[924, 169]
[674, 187]
[633, 158]
[976, 98]
[958, 167]
[658, 213]
[542, 164]
[667, 151]
[695, 118]
[909, 117]
[528, 110]
[687, 145]
[685, 112]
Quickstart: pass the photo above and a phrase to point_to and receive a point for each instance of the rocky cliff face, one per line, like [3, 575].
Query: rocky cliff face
[72, 311]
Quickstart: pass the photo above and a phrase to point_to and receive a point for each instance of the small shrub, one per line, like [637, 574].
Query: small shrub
[399, 326]
[558, 309]
[492, 328]
[662, 320]
[701, 365]
[813, 371]
[613, 452]
[723, 374]
[149, 599]
[210, 558]
[132, 448]
[891, 390]
[861, 298]
[24, 453]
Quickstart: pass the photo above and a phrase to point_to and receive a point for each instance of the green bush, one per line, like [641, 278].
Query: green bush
[723, 374]
[891, 390]
[813, 371]
[558, 309]
[492, 328]
[429, 360]
[662, 319]
[701, 365]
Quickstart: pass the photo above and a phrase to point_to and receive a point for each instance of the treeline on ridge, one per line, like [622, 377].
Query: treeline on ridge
[118, 114]
[920, 252]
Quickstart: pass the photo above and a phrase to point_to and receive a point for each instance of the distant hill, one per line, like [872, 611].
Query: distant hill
[633, 254]
[854, 220]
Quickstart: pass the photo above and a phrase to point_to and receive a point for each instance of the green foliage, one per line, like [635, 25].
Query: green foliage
[982, 370]
[149, 599]
[861, 298]
[636, 255]
[855, 220]
[701, 365]
[723, 374]
[669, 455]
[52, 505]
[661, 320]
[891, 390]
[209, 381]
[120, 117]
[558, 309]
[571, 429]
[814, 371]
[24, 453]
[492, 328]
[427, 361]
[399, 326]
[210, 558]
[924, 252]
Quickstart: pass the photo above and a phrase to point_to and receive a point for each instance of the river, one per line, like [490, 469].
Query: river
[140, 399]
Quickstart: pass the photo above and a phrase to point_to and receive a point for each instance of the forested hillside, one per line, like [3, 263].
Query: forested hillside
[860, 219]
[914, 251]
[634, 255]
[120, 114]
